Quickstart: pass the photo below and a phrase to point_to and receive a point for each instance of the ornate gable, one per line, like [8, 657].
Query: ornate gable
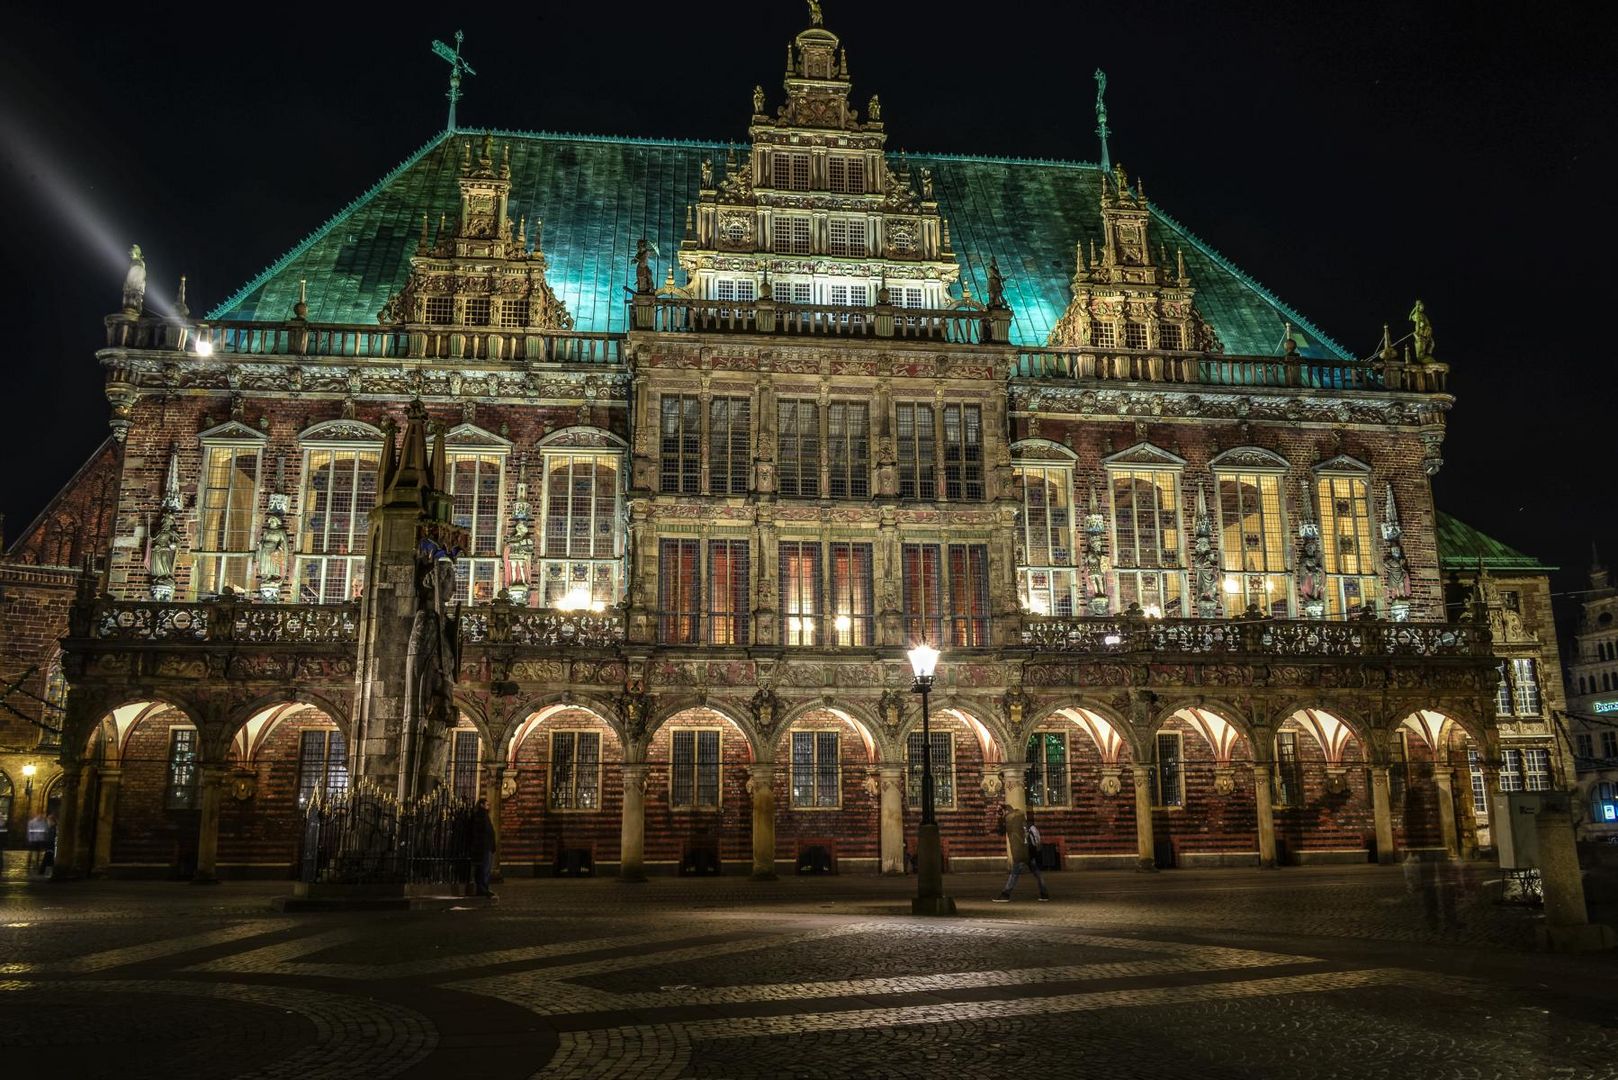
[1042, 450]
[233, 431]
[1343, 463]
[1145, 454]
[470, 436]
[1250, 458]
[342, 431]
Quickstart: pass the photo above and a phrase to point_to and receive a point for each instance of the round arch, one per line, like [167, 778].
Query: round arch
[251, 725]
[1432, 726]
[874, 749]
[516, 735]
[1221, 726]
[757, 751]
[990, 742]
[502, 733]
[1331, 730]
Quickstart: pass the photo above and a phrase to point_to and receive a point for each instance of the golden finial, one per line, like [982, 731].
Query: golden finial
[816, 16]
[1179, 266]
[1387, 352]
[522, 232]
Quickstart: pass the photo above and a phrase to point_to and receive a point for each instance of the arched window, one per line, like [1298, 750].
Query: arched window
[1253, 531]
[477, 462]
[341, 459]
[1148, 549]
[1046, 540]
[227, 509]
[1346, 525]
[581, 531]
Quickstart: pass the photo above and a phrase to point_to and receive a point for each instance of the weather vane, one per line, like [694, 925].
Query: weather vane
[457, 66]
[1101, 118]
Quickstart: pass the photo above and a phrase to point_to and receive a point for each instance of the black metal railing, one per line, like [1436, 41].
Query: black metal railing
[363, 836]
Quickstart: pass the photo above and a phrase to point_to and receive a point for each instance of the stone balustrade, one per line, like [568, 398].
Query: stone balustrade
[1295, 638]
[217, 622]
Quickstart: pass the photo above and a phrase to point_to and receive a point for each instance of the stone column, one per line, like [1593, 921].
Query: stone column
[892, 826]
[107, 806]
[67, 825]
[211, 787]
[1382, 813]
[632, 839]
[763, 789]
[497, 798]
[1266, 815]
[1013, 776]
[1145, 847]
[1444, 778]
[84, 814]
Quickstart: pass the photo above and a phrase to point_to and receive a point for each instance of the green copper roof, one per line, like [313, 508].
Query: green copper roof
[597, 195]
[1460, 547]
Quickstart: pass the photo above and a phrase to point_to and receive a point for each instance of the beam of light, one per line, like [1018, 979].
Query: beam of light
[61, 193]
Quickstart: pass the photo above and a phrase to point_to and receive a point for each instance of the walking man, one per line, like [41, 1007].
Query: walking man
[1022, 835]
[483, 843]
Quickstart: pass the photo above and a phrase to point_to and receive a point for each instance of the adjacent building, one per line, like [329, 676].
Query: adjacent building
[1592, 682]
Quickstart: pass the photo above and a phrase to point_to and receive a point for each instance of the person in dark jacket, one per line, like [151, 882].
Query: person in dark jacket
[1022, 836]
[483, 844]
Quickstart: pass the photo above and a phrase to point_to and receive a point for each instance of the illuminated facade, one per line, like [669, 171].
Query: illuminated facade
[1592, 684]
[1178, 549]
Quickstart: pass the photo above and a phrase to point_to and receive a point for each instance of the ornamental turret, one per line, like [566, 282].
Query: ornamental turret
[813, 212]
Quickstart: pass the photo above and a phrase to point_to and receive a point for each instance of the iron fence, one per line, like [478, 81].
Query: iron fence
[363, 836]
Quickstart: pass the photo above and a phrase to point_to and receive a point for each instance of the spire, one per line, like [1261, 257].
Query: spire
[1599, 578]
[457, 68]
[171, 482]
[1102, 130]
[179, 300]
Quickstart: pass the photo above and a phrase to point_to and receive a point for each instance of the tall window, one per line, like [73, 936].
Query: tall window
[727, 592]
[581, 546]
[576, 770]
[798, 431]
[1288, 770]
[816, 771]
[475, 485]
[465, 755]
[729, 445]
[322, 766]
[847, 236]
[1511, 770]
[851, 592]
[791, 233]
[1168, 771]
[7, 793]
[694, 769]
[1146, 540]
[943, 769]
[1480, 791]
[1253, 542]
[679, 596]
[791, 171]
[53, 710]
[959, 573]
[848, 449]
[1536, 770]
[1046, 577]
[225, 519]
[1345, 533]
[847, 175]
[800, 592]
[963, 452]
[1525, 687]
[339, 492]
[181, 791]
[681, 471]
[1047, 770]
[916, 437]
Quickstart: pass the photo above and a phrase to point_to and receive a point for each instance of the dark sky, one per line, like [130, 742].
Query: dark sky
[1352, 157]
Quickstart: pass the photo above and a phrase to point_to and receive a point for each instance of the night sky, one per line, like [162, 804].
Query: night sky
[1351, 157]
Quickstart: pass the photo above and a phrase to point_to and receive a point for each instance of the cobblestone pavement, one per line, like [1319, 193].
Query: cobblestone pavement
[1299, 973]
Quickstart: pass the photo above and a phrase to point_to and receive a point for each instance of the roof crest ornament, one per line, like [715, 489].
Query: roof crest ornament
[1102, 129]
[457, 67]
[816, 16]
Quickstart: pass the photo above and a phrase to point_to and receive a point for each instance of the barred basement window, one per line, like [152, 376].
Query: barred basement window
[1167, 773]
[1169, 337]
[575, 770]
[681, 471]
[226, 520]
[727, 592]
[916, 438]
[791, 171]
[1134, 335]
[848, 449]
[1047, 779]
[180, 793]
[465, 754]
[477, 311]
[339, 492]
[943, 764]
[694, 769]
[475, 485]
[1103, 336]
[679, 593]
[1288, 770]
[1536, 770]
[322, 766]
[817, 781]
[851, 607]
[800, 592]
[963, 452]
[514, 313]
[729, 445]
[847, 175]
[791, 234]
[847, 236]
[440, 310]
[798, 447]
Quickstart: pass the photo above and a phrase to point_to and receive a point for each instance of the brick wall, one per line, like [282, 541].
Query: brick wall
[1094, 823]
[669, 831]
[145, 830]
[531, 831]
[855, 826]
[264, 830]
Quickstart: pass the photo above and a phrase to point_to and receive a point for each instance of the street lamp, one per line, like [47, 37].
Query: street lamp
[930, 898]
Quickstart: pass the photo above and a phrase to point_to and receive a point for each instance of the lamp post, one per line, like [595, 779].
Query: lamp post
[930, 898]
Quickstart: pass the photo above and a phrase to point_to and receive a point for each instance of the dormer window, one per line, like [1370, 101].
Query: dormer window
[1169, 336]
[1102, 336]
[440, 310]
[514, 313]
[847, 175]
[477, 311]
[1134, 335]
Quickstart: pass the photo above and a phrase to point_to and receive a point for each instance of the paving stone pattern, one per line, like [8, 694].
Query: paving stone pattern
[1333, 973]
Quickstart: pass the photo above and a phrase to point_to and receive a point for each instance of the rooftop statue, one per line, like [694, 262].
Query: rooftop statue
[135, 282]
[997, 285]
[816, 18]
[643, 266]
[1422, 331]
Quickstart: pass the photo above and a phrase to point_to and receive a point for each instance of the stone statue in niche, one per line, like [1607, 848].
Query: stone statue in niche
[165, 553]
[272, 553]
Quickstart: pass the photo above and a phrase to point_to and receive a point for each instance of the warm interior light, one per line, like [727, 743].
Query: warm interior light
[578, 599]
[204, 346]
[1232, 586]
[29, 770]
[843, 624]
[1111, 639]
[1153, 611]
[923, 660]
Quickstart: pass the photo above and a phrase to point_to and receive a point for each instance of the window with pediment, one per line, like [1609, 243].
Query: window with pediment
[1346, 529]
[477, 461]
[341, 461]
[1148, 545]
[1046, 544]
[1253, 531]
[581, 510]
[227, 510]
